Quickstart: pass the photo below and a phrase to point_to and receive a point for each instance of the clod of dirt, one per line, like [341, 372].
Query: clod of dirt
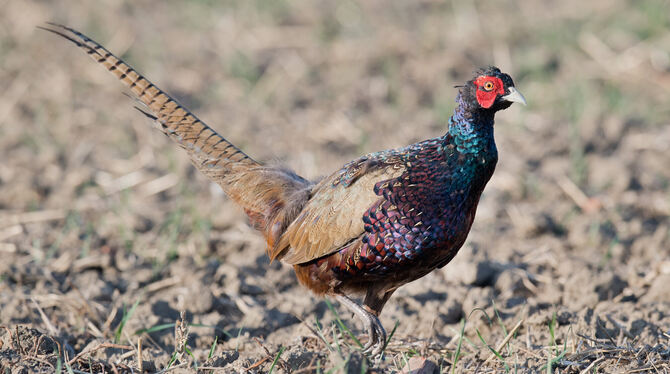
[577, 291]
[637, 326]
[199, 299]
[355, 362]
[451, 311]
[299, 358]
[486, 273]
[223, 359]
[477, 298]
[511, 282]
[149, 366]
[27, 350]
[659, 290]
[32, 340]
[605, 330]
[610, 287]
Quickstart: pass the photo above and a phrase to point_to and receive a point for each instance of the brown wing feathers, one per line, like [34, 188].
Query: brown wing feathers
[333, 216]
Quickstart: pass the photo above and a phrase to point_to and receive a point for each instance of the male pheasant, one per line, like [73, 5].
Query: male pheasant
[382, 220]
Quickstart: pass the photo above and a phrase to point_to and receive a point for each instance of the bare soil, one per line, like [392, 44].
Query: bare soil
[107, 234]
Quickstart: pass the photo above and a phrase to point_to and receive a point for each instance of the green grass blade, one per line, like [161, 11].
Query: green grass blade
[342, 325]
[321, 335]
[457, 354]
[69, 368]
[406, 361]
[500, 322]
[149, 330]
[490, 321]
[552, 361]
[364, 367]
[552, 343]
[498, 355]
[388, 340]
[188, 351]
[336, 340]
[274, 362]
[211, 350]
[59, 362]
[552, 328]
[124, 320]
[172, 360]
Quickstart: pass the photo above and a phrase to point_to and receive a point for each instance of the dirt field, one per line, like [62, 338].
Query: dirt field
[107, 233]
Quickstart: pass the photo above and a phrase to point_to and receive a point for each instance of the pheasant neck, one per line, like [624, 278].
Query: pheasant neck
[471, 137]
[470, 128]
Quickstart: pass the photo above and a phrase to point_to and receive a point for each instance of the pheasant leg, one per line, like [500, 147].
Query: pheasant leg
[376, 332]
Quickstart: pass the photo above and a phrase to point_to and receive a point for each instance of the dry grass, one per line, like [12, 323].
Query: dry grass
[107, 233]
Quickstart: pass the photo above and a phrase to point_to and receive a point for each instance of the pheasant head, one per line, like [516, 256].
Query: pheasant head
[491, 90]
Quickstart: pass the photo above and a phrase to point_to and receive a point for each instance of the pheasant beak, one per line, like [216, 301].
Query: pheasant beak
[514, 96]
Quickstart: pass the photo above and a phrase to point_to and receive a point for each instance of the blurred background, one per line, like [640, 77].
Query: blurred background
[99, 210]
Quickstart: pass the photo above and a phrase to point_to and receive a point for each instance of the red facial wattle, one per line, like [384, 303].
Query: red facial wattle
[487, 98]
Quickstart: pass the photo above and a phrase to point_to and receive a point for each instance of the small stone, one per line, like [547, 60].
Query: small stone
[419, 365]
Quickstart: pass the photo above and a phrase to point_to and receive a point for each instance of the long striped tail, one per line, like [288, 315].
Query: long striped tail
[270, 196]
[207, 148]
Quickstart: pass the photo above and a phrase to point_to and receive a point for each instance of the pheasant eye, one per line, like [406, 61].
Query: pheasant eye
[488, 86]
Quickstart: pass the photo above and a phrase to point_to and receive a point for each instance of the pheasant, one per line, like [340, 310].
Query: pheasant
[382, 220]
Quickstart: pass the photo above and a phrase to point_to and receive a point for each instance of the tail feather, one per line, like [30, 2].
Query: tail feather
[204, 145]
[270, 196]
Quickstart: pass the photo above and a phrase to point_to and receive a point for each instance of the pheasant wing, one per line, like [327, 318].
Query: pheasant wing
[333, 216]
